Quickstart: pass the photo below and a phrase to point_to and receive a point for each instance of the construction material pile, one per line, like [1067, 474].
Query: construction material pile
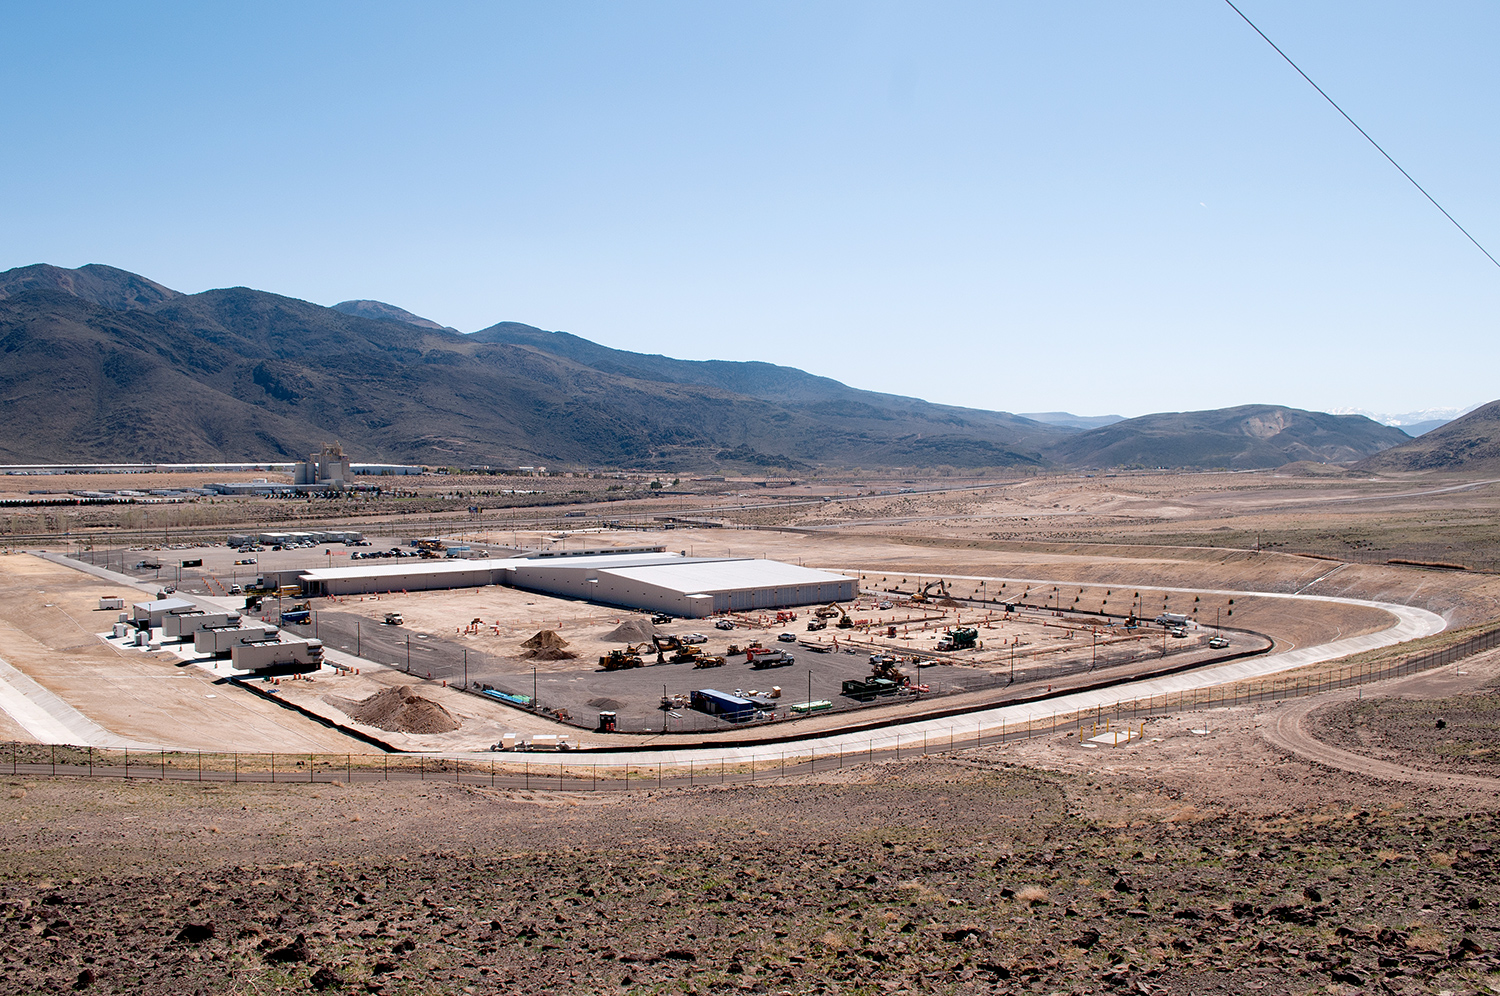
[398, 710]
[547, 645]
[948, 603]
[634, 630]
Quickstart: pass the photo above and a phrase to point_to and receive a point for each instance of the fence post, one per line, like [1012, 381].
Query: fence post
[236, 767]
[127, 764]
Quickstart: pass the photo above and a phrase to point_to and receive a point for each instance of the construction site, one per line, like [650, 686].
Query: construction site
[1126, 705]
[611, 639]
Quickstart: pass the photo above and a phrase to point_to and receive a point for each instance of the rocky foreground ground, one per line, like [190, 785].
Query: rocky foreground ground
[949, 875]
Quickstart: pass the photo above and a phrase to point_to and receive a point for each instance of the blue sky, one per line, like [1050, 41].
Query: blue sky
[1096, 207]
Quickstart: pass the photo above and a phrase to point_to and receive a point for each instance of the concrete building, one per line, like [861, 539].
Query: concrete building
[329, 468]
[690, 587]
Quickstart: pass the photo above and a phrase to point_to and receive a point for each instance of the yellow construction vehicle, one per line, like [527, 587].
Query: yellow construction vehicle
[681, 652]
[925, 595]
[620, 660]
[827, 611]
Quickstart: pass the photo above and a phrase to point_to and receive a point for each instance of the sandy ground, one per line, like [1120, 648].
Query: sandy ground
[49, 618]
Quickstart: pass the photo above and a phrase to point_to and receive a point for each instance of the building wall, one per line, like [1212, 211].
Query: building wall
[396, 581]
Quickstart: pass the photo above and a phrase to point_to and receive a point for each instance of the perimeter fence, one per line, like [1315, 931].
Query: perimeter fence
[593, 771]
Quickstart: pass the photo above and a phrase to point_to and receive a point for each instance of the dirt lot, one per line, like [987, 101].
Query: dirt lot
[49, 618]
[1182, 864]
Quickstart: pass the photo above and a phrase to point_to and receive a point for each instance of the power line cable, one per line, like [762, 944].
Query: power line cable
[1357, 128]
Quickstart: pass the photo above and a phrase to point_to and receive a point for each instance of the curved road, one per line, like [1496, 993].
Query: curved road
[1289, 732]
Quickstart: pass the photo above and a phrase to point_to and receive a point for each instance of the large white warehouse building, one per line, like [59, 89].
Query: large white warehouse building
[690, 587]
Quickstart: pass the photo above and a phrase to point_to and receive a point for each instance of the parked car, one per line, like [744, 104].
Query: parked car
[1218, 643]
[787, 638]
[724, 624]
[694, 638]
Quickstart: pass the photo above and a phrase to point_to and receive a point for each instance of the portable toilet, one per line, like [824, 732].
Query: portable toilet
[606, 722]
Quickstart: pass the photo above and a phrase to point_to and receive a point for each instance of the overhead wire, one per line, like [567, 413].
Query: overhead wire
[1366, 134]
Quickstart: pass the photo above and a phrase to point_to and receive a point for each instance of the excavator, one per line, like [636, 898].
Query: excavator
[620, 660]
[844, 621]
[681, 652]
[925, 595]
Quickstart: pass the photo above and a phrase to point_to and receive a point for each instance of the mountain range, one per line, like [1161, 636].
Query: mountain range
[105, 365]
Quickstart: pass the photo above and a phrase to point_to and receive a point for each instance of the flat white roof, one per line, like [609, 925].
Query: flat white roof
[407, 567]
[404, 567]
[700, 576]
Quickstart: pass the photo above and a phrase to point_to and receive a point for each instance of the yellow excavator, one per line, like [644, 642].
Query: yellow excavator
[681, 652]
[925, 595]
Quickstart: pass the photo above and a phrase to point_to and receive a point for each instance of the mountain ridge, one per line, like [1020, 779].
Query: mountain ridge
[126, 368]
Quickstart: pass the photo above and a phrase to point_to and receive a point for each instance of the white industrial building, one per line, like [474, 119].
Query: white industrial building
[690, 587]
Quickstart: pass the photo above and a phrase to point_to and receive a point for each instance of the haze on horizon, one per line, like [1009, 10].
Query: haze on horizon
[1091, 208]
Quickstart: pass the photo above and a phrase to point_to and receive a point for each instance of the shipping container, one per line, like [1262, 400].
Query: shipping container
[222, 641]
[288, 653]
[182, 626]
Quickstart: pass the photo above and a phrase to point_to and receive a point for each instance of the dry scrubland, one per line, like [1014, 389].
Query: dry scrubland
[1185, 864]
[1200, 859]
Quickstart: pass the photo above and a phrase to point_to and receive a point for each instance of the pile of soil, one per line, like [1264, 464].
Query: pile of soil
[549, 654]
[545, 639]
[949, 603]
[547, 645]
[399, 710]
[636, 630]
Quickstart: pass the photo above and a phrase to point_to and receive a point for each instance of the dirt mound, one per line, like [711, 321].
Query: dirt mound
[636, 630]
[549, 654]
[399, 710]
[949, 603]
[545, 639]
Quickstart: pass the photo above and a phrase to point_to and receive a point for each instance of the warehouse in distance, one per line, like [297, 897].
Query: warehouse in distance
[651, 580]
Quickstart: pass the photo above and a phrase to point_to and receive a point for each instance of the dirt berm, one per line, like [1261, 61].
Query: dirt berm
[399, 710]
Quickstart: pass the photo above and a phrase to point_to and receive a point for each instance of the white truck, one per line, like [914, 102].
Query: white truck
[284, 653]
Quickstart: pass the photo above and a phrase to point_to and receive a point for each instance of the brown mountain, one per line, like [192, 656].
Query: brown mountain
[1468, 444]
[386, 312]
[95, 283]
[103, 365]
[1245, 437]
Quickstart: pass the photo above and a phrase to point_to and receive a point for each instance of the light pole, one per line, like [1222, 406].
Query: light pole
[533, 686]
[466, 669]
[408, 655]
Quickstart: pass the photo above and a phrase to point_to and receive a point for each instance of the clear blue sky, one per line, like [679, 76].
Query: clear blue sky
[1097, 207]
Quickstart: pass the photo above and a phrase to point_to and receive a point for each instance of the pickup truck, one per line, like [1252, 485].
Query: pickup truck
[393, 619]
